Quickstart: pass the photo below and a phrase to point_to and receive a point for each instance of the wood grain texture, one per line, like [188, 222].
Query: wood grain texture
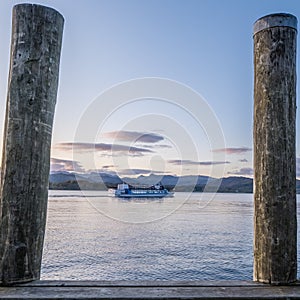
[275, 223]
[32, 91]
[149, 290]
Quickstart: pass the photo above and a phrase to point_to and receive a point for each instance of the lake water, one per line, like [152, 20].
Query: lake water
[95, 236]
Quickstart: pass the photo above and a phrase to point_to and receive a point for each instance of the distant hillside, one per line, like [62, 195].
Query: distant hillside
[89, 181]
[104, 181]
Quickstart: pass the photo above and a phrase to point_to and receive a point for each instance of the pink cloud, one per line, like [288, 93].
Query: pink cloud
[179, 162]
[242, 171]
[134, 136]
[233, 150]
[101, 147]
[61, 165]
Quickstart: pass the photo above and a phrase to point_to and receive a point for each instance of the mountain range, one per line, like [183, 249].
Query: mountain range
[104, 181]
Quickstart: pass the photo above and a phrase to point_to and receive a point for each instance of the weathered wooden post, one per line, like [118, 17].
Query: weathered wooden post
[275, 223]
[32, 91]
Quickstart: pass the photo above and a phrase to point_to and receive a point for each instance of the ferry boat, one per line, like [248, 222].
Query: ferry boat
[156, 191]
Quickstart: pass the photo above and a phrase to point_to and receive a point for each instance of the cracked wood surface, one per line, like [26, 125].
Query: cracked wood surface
[149, 290]
[275, 223]
[32, 91]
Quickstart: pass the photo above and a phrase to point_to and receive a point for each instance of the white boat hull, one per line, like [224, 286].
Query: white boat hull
[124, 191]
[144, 195]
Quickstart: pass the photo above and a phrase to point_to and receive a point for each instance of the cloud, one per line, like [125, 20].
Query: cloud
[61, 165]
[133, 136]
[134, 172]
[179, 162]
[238, 150]
[157, 146]
[243, 160]
[108, 167]
[102, 170]
[242, 171]
[102, 147]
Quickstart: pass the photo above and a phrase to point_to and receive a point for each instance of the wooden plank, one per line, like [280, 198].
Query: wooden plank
[142, 290]
[275, 220]
[32, 90]
[148, 283]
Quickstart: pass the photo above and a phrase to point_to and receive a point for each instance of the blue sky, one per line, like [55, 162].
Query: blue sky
[205, 45]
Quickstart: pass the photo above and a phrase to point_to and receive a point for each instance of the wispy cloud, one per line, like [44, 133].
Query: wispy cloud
[134, 172]
[244, 160]
[133, 136]
[237, 150]
[157, 146]
[102, 147]
[242, 171]
[179, 162]
[108, 167]
[65, 165]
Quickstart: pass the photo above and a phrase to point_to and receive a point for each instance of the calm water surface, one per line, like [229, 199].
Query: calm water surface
[94, 236]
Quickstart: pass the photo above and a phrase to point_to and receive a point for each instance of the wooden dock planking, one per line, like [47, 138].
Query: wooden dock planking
[149, 290]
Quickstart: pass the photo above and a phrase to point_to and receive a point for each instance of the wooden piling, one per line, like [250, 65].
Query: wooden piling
[32, 91]
[275, 223]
